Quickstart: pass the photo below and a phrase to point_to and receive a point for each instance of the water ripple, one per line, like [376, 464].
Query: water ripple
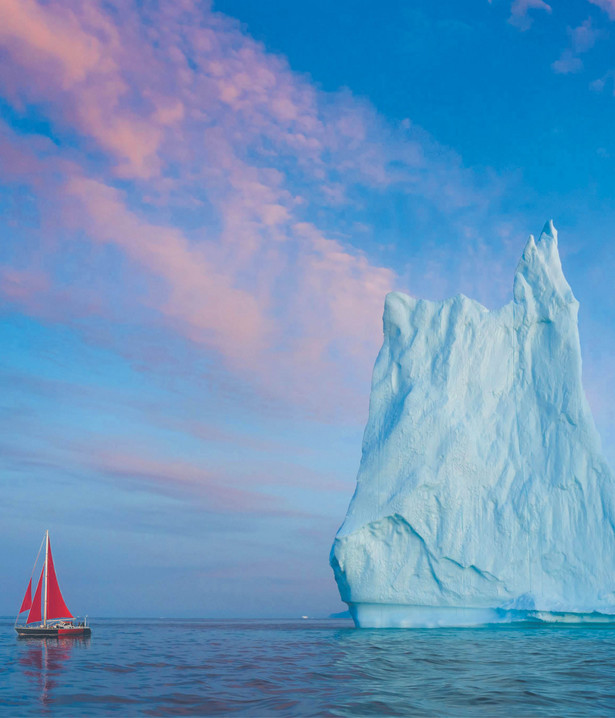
[308, 668]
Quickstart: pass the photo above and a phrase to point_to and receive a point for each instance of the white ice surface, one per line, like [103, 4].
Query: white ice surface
[482, 484]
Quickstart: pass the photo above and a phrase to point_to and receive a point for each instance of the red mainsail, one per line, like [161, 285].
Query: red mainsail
[26, 604]
[35, 610]
[56, 608]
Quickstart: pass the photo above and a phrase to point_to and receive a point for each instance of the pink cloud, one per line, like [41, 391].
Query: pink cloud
[519, 12]
[202, 298]
[228, 490]
[607, 5]
[583, 38]
[199, 295]
[37, 35]
[567, 63]
[195, 117]
[73, 52]
[23, 286]
[600, 83]
[33, 292]
[172, 475]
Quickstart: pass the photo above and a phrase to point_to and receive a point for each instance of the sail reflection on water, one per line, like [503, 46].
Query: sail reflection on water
[45, 661]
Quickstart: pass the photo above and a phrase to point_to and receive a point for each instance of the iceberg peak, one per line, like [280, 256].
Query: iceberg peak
[482, 490]
[540, 287]
[549, 230]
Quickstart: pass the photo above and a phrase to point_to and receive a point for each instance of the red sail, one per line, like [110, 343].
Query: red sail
[56, 608]
[35, 610]
[27, 599]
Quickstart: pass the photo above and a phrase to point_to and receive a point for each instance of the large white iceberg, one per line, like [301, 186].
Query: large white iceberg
[482, 493]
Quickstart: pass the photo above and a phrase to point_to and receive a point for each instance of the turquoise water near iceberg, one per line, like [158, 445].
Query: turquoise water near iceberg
[308, 668]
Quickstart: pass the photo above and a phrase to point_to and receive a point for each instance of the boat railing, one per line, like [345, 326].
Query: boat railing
[77, 621]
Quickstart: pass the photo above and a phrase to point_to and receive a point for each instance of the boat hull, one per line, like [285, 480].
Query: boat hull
[49, 632]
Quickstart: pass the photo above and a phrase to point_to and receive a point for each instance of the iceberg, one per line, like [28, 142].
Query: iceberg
[482, 495]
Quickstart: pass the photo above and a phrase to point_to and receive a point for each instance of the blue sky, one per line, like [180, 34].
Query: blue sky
[202, 208]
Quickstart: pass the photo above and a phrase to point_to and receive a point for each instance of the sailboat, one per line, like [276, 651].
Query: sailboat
[48, 614]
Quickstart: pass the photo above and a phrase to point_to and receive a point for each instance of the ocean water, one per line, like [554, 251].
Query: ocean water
[308, 668]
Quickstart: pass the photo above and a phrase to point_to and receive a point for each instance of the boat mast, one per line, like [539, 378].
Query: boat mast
[46, 576]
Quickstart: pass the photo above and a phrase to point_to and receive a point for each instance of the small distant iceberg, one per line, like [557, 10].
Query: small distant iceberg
[482, 495]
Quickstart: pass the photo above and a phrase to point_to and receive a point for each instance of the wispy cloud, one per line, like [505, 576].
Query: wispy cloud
[197, 166]
[582, 39]
[520, 9]
[607, 5]
[71, 53]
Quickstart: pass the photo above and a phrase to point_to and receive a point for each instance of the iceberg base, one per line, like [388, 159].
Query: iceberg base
[381, 615]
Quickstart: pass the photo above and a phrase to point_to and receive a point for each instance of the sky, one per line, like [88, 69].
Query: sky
[202, 208]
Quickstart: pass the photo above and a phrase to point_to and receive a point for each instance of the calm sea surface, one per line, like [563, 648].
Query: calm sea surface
[308, 668]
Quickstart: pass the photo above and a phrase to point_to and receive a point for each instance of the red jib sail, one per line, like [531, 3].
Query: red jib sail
[35, 610]
[26, 604]
[56, 608]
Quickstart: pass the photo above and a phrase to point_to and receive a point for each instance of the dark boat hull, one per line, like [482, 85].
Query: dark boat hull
[49, 632]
